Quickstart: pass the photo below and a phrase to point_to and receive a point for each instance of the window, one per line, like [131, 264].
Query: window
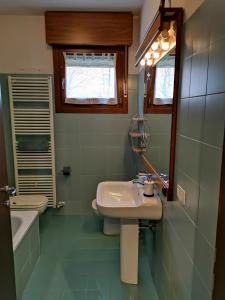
[164, 81]
[91, 80]
[98, 71]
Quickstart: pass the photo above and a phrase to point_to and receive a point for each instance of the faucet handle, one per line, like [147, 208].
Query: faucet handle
[10, 190]
[140, 174]
[142, 177]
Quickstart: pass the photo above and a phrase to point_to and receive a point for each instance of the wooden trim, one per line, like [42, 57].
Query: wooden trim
[7, 271]
[89, 28]
[159, 109]
[175, 104]
[151, 169]
[219, 269]
[162, 4]
[152, 32]
[59, 75]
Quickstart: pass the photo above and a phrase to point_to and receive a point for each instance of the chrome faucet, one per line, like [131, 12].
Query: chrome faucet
[138, 181]
[10, 190]
[141, 177]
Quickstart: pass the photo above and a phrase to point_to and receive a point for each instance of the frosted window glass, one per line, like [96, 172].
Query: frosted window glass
[91, 79]
[164, 81]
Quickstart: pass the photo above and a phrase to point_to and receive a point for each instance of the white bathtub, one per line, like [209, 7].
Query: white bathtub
[26, 246]
[21, 222]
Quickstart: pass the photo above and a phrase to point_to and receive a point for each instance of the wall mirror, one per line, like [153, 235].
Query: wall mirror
[158, 58]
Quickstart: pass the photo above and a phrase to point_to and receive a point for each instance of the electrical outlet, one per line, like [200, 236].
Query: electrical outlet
[181, 195]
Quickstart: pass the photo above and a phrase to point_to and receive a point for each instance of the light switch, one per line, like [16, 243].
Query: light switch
[181, 195]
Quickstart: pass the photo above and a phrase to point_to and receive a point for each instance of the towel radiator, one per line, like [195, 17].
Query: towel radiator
[31, 107]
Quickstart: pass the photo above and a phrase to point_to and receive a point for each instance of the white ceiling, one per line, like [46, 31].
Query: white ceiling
[39, 6]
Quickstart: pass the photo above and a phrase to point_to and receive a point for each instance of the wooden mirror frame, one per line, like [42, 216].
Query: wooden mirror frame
[153, 31]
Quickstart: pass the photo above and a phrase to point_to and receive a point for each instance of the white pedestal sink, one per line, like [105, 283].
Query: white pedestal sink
[125, 200]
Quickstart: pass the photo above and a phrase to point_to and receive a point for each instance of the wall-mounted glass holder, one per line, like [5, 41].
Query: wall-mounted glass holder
[139, 134]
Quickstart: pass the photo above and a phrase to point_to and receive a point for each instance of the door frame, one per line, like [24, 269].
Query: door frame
[7, 273]
[219, 268]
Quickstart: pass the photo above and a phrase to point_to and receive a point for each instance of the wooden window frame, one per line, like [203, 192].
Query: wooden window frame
[121, 78]
[149, 106]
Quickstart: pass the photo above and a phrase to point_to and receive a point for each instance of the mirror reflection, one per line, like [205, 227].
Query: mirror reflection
[160, 124]
[158, 150]
[164, 80]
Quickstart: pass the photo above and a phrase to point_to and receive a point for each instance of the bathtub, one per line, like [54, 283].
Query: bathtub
[21, 222]
[26, 246]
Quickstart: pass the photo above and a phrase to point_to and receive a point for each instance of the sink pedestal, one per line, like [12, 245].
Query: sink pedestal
[129, 244]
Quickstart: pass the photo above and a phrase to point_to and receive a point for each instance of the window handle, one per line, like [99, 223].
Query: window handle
[125, 89]
[63, 83]
[145, 90]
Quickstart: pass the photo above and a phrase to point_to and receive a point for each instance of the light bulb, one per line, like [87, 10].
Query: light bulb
[149, 62]
[142, 62]
[172, 30]
[155, 46]
[165, 34]
[147, 55]
[156, 55]
[165, 46]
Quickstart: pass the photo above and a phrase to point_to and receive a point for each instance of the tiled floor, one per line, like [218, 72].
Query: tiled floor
[79, 262]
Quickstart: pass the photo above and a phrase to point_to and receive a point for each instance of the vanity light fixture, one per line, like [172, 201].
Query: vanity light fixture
[165, 40]
[165, 46]
[155, 46]
[156, 55]
[147, 55]
[142, 62]
[149, 62]
[161, 36]
[164, 43]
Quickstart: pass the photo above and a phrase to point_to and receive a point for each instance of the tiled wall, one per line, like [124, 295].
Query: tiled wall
[97, 149]
[183, 250]
[95, 146]
[26, 256]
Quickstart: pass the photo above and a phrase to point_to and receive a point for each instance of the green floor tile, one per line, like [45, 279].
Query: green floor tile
[73, 295]
[79, 262]
[96, 295]
[42, 294]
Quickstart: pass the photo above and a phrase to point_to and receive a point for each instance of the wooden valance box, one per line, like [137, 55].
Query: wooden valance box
[89, 28]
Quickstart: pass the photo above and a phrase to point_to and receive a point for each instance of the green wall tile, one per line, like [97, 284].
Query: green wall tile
[204, 260]
[182, 117]
[199, 290]
[196, 117]
[189, 232]
[192, 193]
[214, 120]
[199, 70]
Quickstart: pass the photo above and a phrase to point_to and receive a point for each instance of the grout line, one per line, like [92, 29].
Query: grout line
[200, 142]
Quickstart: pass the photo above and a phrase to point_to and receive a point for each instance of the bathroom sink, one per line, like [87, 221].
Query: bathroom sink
[125, 200]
